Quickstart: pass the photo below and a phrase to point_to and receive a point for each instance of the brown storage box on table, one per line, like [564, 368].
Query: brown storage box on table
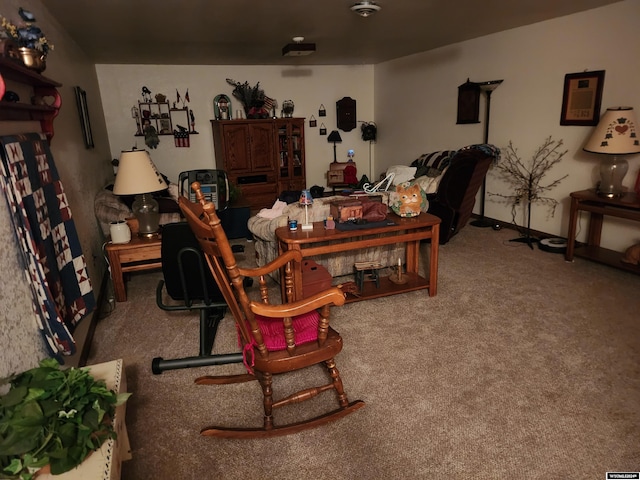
[315, 278]
[345, 210]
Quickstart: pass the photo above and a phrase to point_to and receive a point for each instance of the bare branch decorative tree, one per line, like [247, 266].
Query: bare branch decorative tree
[527, 180]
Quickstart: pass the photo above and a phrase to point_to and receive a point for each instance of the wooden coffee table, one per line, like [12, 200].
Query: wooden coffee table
[407, 230]
[138, 255]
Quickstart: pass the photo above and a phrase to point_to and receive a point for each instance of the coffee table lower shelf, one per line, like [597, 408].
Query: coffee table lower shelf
[605, 256]
[387, 287]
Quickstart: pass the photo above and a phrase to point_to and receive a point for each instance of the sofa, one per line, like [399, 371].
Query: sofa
[263, 229]
[451, 180]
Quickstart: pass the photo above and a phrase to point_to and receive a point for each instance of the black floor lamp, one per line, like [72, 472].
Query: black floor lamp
[487, 88]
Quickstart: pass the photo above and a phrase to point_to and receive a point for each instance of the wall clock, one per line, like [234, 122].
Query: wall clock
[468, 102]
[346, 113]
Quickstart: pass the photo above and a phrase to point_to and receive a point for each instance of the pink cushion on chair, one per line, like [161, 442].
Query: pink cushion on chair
[305, 328]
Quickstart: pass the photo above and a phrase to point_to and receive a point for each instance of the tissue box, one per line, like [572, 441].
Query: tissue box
[315, 278]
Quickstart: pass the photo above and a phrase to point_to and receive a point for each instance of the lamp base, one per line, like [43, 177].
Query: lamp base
[306, 226]
[148, 235]
[612, 172]
[146, 210]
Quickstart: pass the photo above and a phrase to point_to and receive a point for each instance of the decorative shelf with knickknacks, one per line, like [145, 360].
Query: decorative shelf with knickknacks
[25, 94]
[162, 118]
[45, 101]
[157, 114]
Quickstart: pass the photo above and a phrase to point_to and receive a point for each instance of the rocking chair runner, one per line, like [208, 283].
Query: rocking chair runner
[276, 338]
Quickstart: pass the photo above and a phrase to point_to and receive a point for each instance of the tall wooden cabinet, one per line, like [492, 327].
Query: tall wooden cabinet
[262, 157]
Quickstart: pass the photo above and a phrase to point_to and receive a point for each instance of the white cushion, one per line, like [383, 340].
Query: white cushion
[430, 184]
[402, 173]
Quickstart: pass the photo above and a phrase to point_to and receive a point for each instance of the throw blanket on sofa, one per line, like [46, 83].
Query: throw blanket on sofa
[46, 234]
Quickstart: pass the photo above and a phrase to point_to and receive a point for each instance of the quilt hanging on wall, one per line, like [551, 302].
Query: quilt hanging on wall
[45, 231]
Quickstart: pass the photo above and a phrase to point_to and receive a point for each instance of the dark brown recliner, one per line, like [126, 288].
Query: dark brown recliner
[456, 195]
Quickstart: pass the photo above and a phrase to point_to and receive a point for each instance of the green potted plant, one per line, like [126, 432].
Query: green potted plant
[252, 98]
[53, 418]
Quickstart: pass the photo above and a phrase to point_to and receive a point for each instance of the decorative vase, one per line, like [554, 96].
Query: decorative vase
[287, 108]
[33, 59]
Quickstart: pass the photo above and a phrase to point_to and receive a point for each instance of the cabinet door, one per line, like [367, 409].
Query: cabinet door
[297, 151]
[261, 147]
[290, 141]
[236, 148]
[283, 150]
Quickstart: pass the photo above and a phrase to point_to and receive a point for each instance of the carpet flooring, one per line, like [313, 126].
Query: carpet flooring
[523, 366]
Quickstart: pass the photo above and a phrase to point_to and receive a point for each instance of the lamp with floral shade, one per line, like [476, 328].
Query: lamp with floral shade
[306, 199]
[615, 135]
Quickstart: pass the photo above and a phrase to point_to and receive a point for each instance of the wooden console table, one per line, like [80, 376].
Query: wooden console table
[627, 207]
[138, 255]
[407, 230]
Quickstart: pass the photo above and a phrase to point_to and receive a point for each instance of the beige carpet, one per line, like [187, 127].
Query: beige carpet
[523, 366]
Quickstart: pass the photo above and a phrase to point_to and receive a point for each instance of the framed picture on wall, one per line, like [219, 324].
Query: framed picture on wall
[582, 98]
[83, 112]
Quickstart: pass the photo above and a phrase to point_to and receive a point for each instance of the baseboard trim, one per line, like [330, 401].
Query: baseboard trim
[101, 303]
[534, 233]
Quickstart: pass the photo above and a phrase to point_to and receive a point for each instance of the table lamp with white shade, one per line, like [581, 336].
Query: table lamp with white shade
[137, 175]
[615, 135]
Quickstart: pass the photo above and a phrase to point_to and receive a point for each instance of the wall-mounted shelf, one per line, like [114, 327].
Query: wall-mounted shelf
[163, 118]
[43, 88]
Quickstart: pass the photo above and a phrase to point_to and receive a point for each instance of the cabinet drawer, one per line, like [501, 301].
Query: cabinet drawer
[260, 196]
[259, 189]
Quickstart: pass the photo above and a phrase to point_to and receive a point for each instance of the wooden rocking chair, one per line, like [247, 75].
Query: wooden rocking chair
[276, 338]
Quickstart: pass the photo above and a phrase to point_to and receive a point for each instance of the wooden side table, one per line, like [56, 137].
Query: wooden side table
[627, 207]
[138, 255]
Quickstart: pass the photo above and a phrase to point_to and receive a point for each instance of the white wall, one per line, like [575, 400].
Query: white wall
[82, 173]
[416, 103]
[415, 109]
[308, 87]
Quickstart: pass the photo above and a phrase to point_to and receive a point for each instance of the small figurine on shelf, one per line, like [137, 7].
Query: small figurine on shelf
[398, 278]
[222, 107]
[193, 121]
[135, 113]
[330, 223]
[151, 138]
[146, 94]
[287, 108]
[186, 99]
[351, 173]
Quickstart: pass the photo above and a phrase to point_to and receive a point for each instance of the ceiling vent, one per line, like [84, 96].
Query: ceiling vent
[364, 8]
[298, 48]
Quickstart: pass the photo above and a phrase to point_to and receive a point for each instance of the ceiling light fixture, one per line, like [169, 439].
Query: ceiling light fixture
[298, 48]
[365, 8]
